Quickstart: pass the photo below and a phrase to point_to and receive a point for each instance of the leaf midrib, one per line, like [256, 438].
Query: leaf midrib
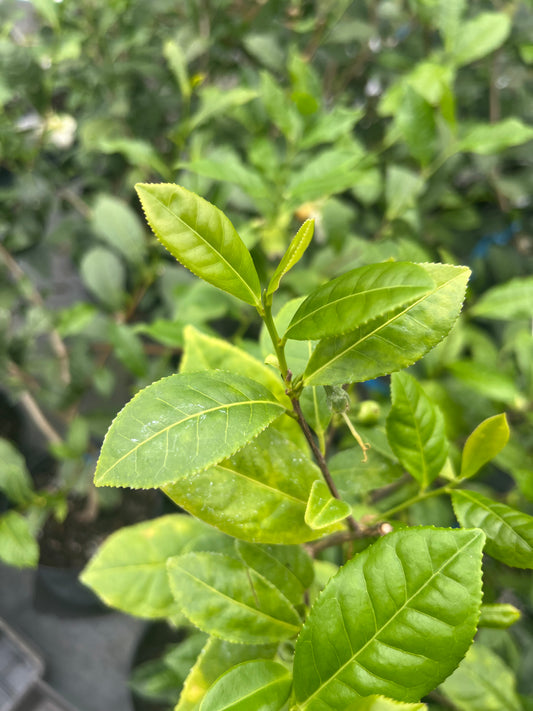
[210, 246]
[237, 602]
[384, 325]
[252, 693]
[486, 507]
[262, 484]
[384, 627]
[186, 419]
[337, 301]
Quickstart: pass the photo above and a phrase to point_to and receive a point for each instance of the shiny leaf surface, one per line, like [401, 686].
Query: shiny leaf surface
[259, 495]
[202, 238]
[292, 256]
[485, 442]
[394, 341]
[261, 685]
[416, 430]
[357, 297]
[396, 620]
[509, 532]
[225, 598]
[180, 425]
[323, 509]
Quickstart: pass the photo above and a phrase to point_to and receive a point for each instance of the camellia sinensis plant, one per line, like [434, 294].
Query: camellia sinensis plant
[302, 597]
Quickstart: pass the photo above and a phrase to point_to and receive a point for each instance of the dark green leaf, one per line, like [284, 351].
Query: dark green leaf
[416, 430]
[397, 619]
[509, 532]
[115, 222]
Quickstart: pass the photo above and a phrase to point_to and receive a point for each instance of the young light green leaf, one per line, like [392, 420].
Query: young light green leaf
[18, 545]
[15, 480]
[512, 300]
[478, 37]
[416, 430]
[129, 571]
[396, 620]
[485, 442]
[292, 256]
[323, 509]
[225, 598]
[180, 425]
[489, 138]
[217, 657]
[202, 238]
[509, 532]
[202, 352]
[499, 616]
[261, 685]
[116, 223]
[357, 297]
[382, 703]
[177, 63]
[482, 682]
[395, 340]
[289, 568]
[259, 495]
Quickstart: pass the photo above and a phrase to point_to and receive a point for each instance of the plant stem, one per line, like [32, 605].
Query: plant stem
[337, 539]
[266, 315]
[419, 497]
[321, 461]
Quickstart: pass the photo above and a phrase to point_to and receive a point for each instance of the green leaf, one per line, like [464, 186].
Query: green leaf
[482, 683]
[355, 477]
[201, 352]
[480, 36]
[15, 480]
[292, 256]
[315, 408]
[260, 684]
[177, 63]
[487, 381]
[330, 127]
[395, 340]
[180, 425]
[217, 101]
[259, 495]
[225, 598]
[396, 620]
[330, 171]
[415, 120]
[381, 703]
[289, 568]
[402, 189]
[104, 275]
[115, 222]
[217, 657]
[323, 509]
[18, 546]
[512, 300]
[129, 570]
[128, 348]
[202, 238]
[357, 297]
[489, 138]
[416, 430]
[499, 615]
[509, 532]
[485, 442]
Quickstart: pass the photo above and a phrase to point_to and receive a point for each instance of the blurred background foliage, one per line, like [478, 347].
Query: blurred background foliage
[403, 127]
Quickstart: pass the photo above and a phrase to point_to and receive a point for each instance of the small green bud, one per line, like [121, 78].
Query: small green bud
[337, 398]
[369, 413]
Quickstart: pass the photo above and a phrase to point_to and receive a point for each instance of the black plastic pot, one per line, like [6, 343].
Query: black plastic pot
[60, 592]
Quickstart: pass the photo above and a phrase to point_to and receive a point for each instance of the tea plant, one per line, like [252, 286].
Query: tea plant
[308, 589]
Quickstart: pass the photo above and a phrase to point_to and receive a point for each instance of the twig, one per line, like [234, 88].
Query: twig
[34, 411]
[352, 523]
[337, 539]
[35, 298]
